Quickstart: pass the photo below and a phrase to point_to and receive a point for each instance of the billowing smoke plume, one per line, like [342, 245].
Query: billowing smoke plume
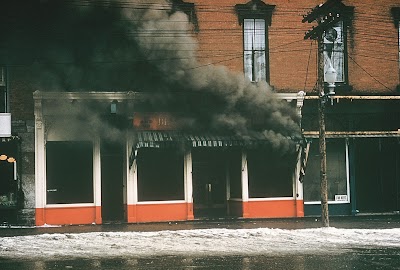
[147, 46]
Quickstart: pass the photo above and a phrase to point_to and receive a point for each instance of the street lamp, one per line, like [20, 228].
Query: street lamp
[330, 78]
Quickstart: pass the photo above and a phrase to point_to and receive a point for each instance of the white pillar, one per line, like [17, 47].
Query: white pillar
[97, 171]
[188, 177]
[131, 180]
[245, 178]
[40, 183]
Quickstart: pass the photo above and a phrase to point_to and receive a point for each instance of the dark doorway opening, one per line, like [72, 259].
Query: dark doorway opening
[377, 174]
[112, 181]
[209, 183]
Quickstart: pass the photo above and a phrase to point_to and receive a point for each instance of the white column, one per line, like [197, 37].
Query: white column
[40, 178]
[131, 180]
[188, 177]
[297, 185]
[245, 178]
[97, 171]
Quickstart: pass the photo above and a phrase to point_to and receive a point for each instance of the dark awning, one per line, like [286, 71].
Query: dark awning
[168, 139]
[156, 139]
[161, 139]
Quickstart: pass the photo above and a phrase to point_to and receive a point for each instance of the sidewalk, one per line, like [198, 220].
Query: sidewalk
[348, 222]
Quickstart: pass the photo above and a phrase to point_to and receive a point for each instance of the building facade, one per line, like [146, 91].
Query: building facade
[183, 110]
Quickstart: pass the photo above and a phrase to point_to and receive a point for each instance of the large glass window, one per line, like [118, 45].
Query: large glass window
[336, 172]
[334, 50]
[160, 174]
[69, 169]
[270, 174]
[254, 32]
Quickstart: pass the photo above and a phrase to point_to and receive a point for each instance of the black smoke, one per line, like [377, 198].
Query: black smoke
[144, 46]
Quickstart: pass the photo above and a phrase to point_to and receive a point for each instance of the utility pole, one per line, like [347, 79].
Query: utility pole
[326, 15]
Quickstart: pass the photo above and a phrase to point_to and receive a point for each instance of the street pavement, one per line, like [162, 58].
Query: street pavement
[368, 258]
[347, 222]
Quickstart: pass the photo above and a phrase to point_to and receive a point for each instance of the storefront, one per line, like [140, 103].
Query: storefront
[362, 150]
[136, 167]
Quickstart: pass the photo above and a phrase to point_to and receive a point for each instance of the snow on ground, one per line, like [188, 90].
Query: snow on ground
[207, 242]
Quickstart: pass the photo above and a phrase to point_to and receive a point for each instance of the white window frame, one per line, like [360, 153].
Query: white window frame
[347, 181]
[254, 51]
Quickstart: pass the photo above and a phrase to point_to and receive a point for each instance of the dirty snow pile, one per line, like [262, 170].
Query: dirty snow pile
[207, 242]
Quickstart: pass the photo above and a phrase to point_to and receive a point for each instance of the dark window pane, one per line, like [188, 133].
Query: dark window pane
[69, 172]
[160, 175]
[270, 174]
[336, 171]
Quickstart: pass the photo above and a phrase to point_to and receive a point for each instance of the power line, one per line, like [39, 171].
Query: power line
[369, 74]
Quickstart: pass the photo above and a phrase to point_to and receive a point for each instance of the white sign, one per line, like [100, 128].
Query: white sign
[341, 198]
[5, 124]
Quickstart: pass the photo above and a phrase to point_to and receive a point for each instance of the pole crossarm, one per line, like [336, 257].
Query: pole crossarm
[319, 10]
[326, 15]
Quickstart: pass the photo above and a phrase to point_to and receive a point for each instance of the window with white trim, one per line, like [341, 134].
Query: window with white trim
[337, 172]
[255, 17]
[254, 49]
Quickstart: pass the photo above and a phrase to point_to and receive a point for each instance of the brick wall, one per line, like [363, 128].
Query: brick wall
[372, 44]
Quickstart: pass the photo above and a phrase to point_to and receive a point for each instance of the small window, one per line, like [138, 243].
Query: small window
[336, 172]
[69, 168]
[160, 175]
[270, 174]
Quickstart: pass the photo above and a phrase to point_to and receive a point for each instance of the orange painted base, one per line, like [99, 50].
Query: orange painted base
[68, 215]
[273, 209]
[159, 212]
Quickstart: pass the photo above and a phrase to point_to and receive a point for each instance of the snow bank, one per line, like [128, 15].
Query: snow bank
[197, 242]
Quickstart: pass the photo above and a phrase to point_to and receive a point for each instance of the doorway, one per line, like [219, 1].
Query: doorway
[209, 183]
[377, 171]
[112, 178]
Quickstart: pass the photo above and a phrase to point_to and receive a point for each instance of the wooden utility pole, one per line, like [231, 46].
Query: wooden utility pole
[322, 136]
[326, 15]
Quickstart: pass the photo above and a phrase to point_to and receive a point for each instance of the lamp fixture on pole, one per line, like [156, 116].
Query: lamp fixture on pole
[330, 78]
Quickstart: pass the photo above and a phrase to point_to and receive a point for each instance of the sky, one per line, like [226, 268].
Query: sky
[198, 242]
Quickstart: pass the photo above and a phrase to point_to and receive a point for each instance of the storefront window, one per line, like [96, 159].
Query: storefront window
[8, 173]
[336, 172]
[270, 174]
[69, 168]
[160, 175]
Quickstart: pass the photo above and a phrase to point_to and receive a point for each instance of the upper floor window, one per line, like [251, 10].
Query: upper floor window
[334, 51]
[396, 20]
[255, 16]
[254, 49]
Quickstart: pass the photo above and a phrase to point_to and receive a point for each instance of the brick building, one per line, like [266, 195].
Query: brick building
[180, 110]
